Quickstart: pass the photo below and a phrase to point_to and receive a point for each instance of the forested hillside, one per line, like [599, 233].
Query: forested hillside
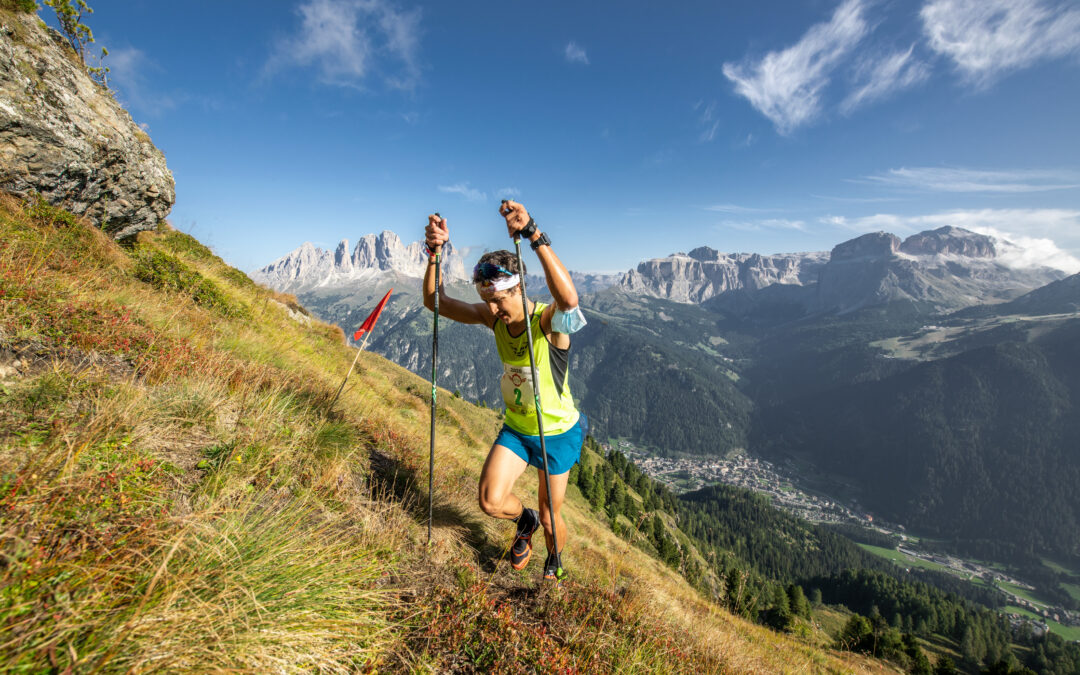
[981, 447]
[783, 572]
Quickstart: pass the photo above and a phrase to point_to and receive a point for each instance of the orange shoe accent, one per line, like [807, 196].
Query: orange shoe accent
[525, 558]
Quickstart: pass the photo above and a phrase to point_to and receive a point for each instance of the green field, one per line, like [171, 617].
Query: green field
[1058, 568]
[1022, 592]
[1067, 632]
[1013, 609]
[1073, 590]
[903, 560]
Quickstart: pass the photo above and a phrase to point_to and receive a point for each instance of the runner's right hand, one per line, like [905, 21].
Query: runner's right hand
[436, 233]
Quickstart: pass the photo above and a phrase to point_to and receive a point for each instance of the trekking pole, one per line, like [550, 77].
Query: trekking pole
[434, 394]
[539, 412]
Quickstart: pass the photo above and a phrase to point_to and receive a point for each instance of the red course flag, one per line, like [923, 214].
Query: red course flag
[369, 322]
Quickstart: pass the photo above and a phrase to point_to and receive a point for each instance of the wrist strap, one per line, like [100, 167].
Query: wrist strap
[529, 230]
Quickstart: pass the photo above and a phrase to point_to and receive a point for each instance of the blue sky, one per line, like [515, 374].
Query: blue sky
[629, 129]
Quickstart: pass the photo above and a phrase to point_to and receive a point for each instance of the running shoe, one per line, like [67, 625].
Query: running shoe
[528, 522]
[553, 571]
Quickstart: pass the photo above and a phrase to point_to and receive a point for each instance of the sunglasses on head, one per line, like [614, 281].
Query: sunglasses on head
[486, 270]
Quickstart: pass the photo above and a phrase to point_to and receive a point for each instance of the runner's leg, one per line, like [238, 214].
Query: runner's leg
[501, 470]
[558, 493]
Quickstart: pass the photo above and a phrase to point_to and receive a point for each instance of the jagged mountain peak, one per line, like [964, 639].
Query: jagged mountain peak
[309, 266]
[948, 268]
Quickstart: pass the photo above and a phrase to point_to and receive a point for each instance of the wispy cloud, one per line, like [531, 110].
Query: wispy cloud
[134, 76]
[786, 86]
[856, 200]
[735, 208]
[508, 193]
[707, 121]
[463, 189]
[762, 224]
[575, 53]
[1046, 237]
[348, 42]
[880, 77]
[931, 179]
[988, 38]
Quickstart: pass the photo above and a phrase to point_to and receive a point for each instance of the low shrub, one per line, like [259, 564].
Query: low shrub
[167, 272]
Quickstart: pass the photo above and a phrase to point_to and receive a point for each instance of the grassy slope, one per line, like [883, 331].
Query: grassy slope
[173, 494]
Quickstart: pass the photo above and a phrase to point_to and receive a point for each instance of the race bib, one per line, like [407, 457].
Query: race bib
[517, 389]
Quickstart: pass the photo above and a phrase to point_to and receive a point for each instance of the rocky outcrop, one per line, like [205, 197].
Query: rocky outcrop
[64, 136]
[868, 246]
[940, 270]
[944, 269]
[374, 256]
[705, 273]
[948, 241]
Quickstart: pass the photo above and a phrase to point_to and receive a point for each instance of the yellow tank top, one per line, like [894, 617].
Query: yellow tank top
[552, 366]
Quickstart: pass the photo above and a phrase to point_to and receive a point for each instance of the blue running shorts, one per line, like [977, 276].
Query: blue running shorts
[563, 450]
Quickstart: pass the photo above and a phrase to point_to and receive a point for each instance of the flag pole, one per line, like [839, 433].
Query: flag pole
[365, 330]
[339, 389]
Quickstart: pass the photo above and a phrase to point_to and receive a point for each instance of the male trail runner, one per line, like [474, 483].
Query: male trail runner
[498, 282]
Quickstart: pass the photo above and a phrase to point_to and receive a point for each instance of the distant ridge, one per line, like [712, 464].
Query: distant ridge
[309, 266]
[944, 269]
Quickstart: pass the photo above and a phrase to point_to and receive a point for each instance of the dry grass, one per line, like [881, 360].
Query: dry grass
[175, 495]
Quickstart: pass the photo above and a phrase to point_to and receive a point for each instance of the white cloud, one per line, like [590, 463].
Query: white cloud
[127, 75]
[575, 53]
[508, 193]
[763, 224]
[707, 120]
[735, 208]
[786, 86]
[988, 38]
[463, 189]
[878, 78]
[348, 41]
[1047, 237]
[136, 80]
[934, 179]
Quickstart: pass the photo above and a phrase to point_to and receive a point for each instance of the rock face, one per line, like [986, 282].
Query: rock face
[310, 267]
[940, 270]
[943, 269]
[950, 240]
[705, 273]
[62, 135]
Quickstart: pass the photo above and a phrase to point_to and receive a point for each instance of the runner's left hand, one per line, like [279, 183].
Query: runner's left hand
[516, 216]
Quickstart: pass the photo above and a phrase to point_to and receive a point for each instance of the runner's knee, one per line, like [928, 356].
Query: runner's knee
[490, 502]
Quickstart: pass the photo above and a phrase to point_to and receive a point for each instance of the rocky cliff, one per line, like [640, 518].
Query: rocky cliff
[943, 269]
[704, 273]
[62, 135]
[310, 267]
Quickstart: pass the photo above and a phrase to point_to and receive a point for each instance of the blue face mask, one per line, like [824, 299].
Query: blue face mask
[568, 322]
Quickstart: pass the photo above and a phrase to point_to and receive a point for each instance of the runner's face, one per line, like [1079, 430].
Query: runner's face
[505, 305]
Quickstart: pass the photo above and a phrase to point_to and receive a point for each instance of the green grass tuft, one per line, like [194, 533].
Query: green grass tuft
[167, 272]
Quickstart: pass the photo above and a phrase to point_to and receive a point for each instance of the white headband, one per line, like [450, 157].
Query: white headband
[503, 284]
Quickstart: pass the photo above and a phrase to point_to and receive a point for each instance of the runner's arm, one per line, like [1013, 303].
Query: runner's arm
[436, 234]
[559, 283]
